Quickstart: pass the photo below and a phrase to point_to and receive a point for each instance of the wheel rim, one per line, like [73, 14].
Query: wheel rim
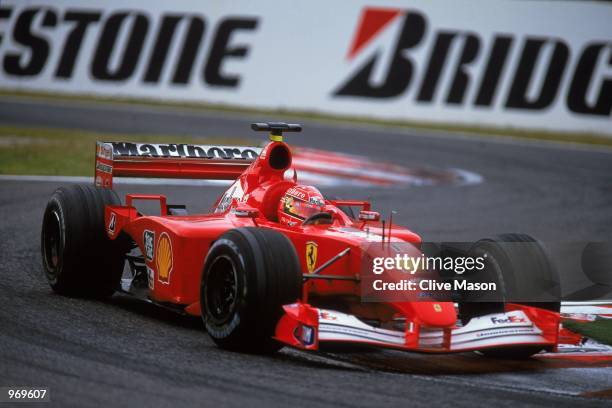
[52, 241]
[221, 289]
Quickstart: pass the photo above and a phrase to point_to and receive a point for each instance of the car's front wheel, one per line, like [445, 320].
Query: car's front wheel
[522, 268]
[249, 274]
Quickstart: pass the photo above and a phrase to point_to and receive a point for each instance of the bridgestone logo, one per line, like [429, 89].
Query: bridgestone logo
[400, 63]
[542, 61]
[115, 57]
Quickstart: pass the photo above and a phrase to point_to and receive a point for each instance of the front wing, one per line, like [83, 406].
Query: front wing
[306, 327]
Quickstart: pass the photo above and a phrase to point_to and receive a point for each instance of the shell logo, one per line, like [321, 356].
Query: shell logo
[163, 258]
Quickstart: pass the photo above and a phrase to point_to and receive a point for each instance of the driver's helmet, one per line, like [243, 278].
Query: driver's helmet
[298, 203]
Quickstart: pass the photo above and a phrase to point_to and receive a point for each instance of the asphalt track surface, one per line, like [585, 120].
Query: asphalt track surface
[125, 353]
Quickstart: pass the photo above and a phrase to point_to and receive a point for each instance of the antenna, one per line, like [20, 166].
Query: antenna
[276, 129]
[390, 224]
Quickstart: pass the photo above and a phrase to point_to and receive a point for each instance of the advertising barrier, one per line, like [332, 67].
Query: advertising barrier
[523, 64]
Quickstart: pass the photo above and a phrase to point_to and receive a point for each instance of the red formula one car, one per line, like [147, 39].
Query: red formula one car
[273, 264]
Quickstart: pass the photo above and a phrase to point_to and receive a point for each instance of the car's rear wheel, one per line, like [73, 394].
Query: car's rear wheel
[248, 275]
[525, 274]
[78, 257]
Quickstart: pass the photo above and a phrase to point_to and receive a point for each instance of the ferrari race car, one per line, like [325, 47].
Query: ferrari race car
[274, 263]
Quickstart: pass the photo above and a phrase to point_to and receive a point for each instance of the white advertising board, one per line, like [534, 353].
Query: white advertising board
[523, 64]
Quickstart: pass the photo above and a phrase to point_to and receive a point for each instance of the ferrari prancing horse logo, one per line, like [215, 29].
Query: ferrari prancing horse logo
[311, 255]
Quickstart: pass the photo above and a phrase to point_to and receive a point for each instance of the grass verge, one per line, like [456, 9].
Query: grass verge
[451, 129]
[599, 330]
[44, 151]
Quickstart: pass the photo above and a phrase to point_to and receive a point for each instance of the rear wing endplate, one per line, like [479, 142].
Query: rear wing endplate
[174, 160]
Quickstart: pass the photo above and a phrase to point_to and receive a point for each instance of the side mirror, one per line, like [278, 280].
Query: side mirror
[369, 215]
[246, 212]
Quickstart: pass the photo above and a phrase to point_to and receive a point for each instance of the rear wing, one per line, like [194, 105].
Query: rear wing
[175, 160]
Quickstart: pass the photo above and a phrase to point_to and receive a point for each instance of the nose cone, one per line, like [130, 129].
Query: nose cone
[392, 272]
[435, 314]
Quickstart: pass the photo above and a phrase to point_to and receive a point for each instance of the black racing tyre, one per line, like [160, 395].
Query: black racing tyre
[524, 272]
[248, 275]
[78, 257]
